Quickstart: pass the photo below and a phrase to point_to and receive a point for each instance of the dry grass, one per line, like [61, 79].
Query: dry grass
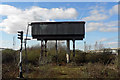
[89, 70]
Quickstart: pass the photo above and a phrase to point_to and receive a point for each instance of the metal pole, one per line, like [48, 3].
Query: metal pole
[26, 59]
[68, 51]
[41, 49]
[73, 48]
[45, 48]
[56, 51]
[20, 72]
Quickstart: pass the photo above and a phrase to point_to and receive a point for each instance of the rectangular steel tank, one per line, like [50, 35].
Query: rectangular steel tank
[74, 30]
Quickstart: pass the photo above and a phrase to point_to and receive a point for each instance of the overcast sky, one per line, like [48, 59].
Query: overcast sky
[101, 20]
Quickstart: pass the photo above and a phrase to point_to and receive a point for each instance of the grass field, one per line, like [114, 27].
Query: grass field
[89, 70]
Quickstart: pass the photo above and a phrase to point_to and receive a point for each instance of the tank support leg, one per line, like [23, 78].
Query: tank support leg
[45, 48]
[41, 53]
[68, 51]
[73, 48]
[56, 51]
[41, 48]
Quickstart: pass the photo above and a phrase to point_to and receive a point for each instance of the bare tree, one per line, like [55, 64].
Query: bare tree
[101, 46]
[96, 46]
[85, 46]
[90, 47]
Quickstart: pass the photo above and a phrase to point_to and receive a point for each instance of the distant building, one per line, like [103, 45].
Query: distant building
[2, 49]
[115, 50]
[106, 50]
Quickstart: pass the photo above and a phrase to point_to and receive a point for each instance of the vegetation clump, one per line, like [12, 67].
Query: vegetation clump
[85, 65]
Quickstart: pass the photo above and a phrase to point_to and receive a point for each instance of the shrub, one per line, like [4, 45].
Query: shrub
[60, 57]
[80, 57]
[106, 58]
[91, 58]
[100, 57]
[33, 56]
[9, 56]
